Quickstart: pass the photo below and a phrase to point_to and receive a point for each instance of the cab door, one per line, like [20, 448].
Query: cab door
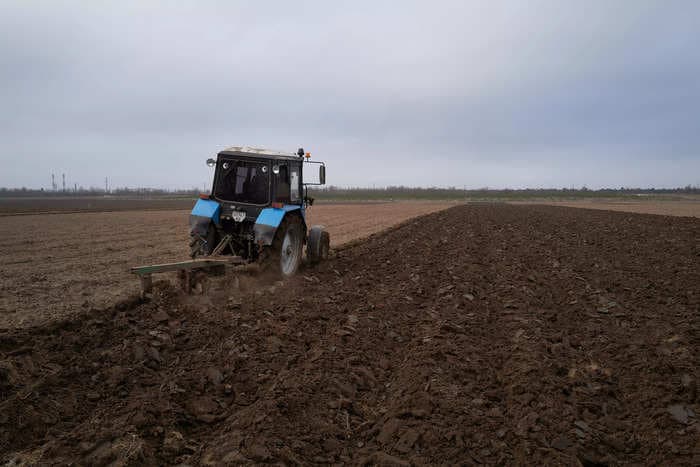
[281, 182]
[295, 186]
[288, 183]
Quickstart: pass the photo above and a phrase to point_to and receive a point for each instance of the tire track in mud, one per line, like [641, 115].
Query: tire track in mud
[489, 334]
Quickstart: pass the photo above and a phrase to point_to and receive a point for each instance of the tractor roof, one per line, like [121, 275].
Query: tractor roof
[259, 153]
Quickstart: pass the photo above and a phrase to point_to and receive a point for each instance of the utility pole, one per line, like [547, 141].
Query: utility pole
[64, 183]
[53, 182]
[106, 185]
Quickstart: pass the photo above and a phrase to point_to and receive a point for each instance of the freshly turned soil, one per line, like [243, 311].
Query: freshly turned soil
[491, 334]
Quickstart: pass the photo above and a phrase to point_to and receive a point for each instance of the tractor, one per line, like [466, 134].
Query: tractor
[256, 210]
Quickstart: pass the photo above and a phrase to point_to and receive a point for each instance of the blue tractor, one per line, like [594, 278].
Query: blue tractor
[257, 210]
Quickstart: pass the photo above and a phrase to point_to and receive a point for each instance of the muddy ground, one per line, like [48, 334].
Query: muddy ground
[477, 335]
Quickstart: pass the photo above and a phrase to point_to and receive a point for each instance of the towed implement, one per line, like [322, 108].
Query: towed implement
[255, 214]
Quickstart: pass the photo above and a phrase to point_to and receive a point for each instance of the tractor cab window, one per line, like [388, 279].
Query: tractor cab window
[282, 185]
[295, 182]
[243, 182]
[287, 182]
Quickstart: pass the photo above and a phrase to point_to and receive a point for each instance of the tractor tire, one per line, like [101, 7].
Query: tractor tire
[203, 245]
[287, 247]
[318, 245]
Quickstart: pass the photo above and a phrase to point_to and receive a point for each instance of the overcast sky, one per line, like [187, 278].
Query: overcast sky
[430, 93]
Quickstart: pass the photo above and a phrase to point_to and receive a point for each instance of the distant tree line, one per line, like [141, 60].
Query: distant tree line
[404, 192]
[364, 193]
[97, 192]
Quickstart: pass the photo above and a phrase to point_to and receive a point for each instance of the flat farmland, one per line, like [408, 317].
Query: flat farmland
[686, 206]
[55, 265]
[486, 334]
[66, 204]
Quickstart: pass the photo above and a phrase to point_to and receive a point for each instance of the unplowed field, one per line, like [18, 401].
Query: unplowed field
[495, 334]
[58, 264]
[45, 205]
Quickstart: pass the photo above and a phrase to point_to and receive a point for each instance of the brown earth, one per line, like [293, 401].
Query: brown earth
[31, 205]
[490, 334]
[687, 207]
[55, 265]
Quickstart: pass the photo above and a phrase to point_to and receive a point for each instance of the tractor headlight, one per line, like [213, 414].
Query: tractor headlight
[225, 165]
[211, 162]
[275, 169]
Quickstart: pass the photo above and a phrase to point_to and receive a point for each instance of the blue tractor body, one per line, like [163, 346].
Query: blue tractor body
[207, 209]
[270, 219]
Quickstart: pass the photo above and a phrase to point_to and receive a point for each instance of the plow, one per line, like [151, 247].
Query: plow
[191, 273]
[254, 217]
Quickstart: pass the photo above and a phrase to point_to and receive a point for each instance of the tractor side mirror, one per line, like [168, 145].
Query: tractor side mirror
[322, 174]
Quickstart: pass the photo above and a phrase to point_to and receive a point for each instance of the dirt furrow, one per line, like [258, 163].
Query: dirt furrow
[484, 334]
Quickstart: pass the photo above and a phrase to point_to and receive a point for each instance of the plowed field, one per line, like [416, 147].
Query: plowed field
[54, 265]
[689, 206]
[482, 334]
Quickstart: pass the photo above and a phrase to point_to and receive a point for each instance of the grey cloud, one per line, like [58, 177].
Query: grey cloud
[500, 93]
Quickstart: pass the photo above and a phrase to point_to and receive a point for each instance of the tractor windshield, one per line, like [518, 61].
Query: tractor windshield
[243, 182]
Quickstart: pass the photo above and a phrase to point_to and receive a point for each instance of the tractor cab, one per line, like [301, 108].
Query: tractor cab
[257, 209]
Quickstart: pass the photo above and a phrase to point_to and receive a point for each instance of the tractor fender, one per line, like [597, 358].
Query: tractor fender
[269, 220]
[205, 212]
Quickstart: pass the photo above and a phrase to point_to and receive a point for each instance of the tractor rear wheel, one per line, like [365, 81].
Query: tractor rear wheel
[203, 245]
[287, 247]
